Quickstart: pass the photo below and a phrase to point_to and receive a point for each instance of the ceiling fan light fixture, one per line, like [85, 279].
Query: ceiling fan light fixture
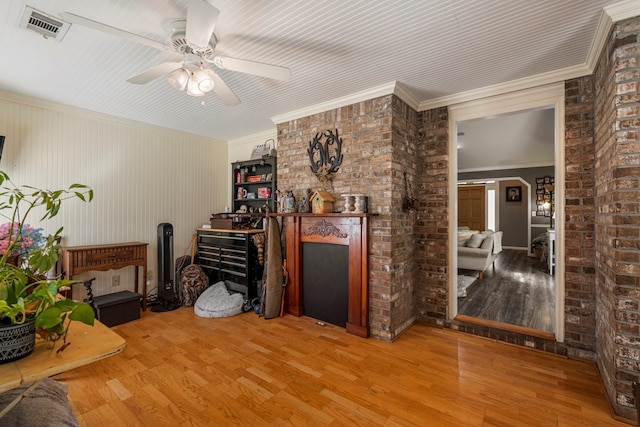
[178, 78]
[193, 89]
[204, 82]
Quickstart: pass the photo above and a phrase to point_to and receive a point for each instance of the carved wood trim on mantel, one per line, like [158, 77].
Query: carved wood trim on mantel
[351, 230]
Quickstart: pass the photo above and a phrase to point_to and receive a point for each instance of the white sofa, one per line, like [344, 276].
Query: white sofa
[478, 250]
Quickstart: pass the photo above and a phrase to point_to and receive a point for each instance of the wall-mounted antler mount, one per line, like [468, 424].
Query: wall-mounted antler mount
[324, 164]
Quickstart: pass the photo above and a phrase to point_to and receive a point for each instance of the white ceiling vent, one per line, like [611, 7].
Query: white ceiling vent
[46, 25]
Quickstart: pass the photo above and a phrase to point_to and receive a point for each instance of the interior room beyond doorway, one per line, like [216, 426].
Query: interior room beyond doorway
[515, 159]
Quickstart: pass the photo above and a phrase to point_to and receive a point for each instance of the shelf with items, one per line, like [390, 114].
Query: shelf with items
[254, 185]
[251, 200]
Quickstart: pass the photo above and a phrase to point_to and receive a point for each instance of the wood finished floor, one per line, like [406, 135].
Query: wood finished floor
[181, 370]
[519, 291]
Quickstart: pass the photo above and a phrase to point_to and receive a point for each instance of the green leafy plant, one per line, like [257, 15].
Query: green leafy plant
[26, 293]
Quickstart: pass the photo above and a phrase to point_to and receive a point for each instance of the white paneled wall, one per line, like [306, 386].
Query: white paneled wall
[142, 176]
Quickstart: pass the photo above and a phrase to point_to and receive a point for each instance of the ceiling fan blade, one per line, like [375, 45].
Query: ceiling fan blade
[222, 90]
[252, 67]
[89, 23]
[201, 19]
[154, 72]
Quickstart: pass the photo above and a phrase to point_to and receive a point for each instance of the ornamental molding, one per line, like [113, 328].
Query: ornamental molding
[324, 228]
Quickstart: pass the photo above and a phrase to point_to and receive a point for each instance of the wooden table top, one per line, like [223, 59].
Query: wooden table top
[88, 344]
[105, 246]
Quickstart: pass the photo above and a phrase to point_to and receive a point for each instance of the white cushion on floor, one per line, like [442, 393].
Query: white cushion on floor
[216, 301]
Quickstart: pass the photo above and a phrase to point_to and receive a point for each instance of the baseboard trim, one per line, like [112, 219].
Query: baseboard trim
[506, 327]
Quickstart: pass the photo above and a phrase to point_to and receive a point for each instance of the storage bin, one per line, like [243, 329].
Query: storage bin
[117, 308]
[219, 223]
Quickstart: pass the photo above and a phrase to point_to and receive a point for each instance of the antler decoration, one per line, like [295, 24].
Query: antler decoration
[326, 164]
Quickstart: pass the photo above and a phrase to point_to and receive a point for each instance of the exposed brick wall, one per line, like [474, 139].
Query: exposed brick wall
[404, 267]
[579, 222]
[617, 173]
[378, 145]
[433, 216]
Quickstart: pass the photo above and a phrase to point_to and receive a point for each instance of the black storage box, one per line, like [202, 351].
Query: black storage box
[120, 307]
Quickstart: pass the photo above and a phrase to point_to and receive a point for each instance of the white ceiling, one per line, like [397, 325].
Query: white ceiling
[511, 141]
[334, 48]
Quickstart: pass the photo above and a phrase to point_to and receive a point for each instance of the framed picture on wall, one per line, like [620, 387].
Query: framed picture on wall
[514, 194]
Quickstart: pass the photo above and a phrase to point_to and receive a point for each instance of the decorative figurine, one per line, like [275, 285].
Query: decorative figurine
[289, 202]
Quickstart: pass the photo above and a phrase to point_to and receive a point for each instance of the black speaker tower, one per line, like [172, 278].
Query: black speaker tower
[167, 300]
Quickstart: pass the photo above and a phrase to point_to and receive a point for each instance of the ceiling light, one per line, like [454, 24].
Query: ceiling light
[192, 88]
[202, 79]
[192, 76]
[178, 78]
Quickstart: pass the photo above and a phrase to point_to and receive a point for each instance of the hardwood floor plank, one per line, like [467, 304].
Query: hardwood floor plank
[358, 410]
[518, 291]
[246, 370]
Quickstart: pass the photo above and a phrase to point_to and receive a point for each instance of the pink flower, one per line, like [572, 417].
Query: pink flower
[20, 240]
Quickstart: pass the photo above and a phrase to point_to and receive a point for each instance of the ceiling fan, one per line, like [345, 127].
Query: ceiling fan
[195, 41]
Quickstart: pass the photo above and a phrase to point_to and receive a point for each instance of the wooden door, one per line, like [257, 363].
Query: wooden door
[471, 206]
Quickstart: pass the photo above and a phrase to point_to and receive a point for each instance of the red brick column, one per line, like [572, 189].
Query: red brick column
[617, 179]
[379, 144]
[432, 224]
[579, 218]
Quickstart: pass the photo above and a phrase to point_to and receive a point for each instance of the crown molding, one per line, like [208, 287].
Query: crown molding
[392, 88]
[353, 98]
[507, 87]
[599, 40]
[504, 167]
[609, 15]
[623, 10]
[526, 99]
[405, 95]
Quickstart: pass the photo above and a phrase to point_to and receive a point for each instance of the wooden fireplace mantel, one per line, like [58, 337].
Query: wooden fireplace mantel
[351, 230]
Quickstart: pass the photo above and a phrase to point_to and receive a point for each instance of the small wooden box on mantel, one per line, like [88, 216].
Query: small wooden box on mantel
[321, 202]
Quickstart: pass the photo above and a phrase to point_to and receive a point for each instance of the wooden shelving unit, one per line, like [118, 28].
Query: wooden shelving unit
[254, 185]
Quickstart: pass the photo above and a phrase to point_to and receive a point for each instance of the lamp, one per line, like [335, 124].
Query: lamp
[204, 82]
[178, 78]
[193, 89]
[192, 77]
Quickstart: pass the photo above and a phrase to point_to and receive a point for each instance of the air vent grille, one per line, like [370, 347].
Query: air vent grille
[46, 25]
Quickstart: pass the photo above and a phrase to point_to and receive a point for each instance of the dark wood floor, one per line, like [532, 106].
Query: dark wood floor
[519, 291]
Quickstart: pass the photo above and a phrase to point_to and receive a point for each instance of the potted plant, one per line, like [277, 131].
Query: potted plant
[30, 301]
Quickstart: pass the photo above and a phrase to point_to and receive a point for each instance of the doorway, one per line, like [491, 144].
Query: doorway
[546, 97]
[471, 207]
